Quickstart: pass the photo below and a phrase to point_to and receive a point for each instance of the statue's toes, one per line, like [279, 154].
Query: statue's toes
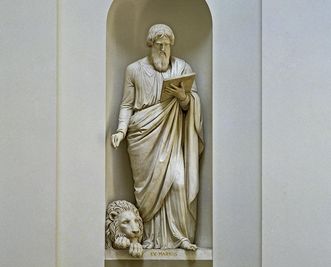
[193, 247]
[148, 245]
[188, 246]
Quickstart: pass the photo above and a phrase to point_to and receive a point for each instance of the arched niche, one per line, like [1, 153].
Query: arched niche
[127, 25]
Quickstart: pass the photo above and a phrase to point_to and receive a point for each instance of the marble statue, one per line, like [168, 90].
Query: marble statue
[124, 227]
[164, 144]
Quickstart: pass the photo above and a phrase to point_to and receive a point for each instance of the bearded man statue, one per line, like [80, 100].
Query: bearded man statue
[164, 144]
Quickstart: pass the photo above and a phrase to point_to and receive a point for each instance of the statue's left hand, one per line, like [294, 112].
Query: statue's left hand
[177, 91]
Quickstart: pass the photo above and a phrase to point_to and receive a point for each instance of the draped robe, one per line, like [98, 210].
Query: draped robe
[164, 145]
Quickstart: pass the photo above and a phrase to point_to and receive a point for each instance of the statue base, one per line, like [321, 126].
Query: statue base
[161, 254]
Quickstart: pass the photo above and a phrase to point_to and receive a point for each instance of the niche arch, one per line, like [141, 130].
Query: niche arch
[127, 24]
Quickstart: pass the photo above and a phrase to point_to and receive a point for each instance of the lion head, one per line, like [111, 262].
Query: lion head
[123, 220]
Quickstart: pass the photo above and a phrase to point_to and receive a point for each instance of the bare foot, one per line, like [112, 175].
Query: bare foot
[148, 244]
[188, 246]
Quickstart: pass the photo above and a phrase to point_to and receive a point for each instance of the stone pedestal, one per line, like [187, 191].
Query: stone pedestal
[161, 254]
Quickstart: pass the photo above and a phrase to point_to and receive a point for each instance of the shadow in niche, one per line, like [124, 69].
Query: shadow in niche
[179, 22]
[127, 25]
[124, 13]
[136, 16]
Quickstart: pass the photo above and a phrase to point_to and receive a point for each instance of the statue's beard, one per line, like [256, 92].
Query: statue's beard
[160, 61]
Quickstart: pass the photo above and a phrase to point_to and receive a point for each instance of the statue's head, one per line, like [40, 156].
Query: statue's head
[123, 219]
[160, 38]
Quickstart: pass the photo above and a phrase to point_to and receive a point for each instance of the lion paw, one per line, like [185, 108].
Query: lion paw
[122, 242]
[136, 250]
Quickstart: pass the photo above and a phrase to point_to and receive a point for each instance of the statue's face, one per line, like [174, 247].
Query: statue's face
[161, 51]
[162, 46]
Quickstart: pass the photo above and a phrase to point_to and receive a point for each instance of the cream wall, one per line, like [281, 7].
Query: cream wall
[296, 133]
[27, 133]
[81, 111]
[237, 133]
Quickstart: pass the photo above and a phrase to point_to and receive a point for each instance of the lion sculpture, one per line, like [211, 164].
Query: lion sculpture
[124, 227]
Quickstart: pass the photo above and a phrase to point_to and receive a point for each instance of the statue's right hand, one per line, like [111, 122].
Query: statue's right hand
[116, 139]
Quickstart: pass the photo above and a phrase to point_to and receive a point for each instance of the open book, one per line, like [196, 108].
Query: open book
[187, 80]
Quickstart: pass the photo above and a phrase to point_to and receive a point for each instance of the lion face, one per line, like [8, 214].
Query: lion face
[123, 224]
[129, 224]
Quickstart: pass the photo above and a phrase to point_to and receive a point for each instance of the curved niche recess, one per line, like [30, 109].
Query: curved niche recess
[127, 25]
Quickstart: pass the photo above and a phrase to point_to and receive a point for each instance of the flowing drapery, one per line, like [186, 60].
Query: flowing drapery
[164, 144]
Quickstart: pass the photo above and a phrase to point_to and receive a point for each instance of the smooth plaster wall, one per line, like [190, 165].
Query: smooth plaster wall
[81, 111]
[237, 132]
[126, 42]
[28, 133]
[296, 133]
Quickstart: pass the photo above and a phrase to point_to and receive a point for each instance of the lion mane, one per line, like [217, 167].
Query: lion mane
[114, 209]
